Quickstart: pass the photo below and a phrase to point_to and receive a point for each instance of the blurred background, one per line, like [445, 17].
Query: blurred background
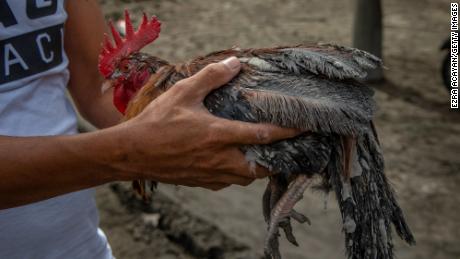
[420, 135]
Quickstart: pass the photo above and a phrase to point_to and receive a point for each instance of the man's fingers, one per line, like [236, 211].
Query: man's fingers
[245, 168]
[216, 187]
[209, 78]
[210, 186]
[238, 132]
[234, 179]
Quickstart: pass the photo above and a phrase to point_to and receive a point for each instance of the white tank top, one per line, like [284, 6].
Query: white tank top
[33, 80]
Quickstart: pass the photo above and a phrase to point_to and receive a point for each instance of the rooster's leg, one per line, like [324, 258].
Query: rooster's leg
[281, 213]
[266, 208]
[153, 185]
[274, 191]
[138, 186]
[273, 251]
[285, 224]
[299, 217]
[278, 186]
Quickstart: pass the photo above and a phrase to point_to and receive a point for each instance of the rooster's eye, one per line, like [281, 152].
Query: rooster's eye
[124, 66]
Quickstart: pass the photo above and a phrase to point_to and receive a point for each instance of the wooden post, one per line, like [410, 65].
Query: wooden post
[368, 33]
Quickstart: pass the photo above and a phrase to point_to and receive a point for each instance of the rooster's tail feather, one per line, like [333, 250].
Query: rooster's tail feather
[366, 199]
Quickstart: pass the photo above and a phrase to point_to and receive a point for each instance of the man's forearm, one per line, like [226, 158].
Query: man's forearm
[173, 140]
[99, 111]
[37, 168]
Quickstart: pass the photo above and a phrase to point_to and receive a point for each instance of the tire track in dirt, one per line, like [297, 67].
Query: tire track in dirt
[196, 237]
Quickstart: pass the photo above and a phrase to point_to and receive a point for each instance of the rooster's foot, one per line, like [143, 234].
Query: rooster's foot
[278, 209]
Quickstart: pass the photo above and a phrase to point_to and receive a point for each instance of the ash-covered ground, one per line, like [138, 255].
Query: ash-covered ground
[419, 134]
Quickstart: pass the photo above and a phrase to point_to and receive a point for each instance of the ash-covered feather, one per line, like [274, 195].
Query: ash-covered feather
[294, 156]
[332, 61]
[371, 205]
[309, 103]
[305, 102]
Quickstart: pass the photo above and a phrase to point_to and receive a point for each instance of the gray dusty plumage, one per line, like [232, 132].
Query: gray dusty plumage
[315, 88]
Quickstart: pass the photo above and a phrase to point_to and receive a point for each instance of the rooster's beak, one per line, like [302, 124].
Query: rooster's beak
[109, 82]
[106, 85]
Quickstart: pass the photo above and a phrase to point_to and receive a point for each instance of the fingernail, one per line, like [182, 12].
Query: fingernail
[232, 62]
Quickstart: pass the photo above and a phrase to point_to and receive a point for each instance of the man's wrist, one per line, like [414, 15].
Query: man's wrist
[111, 149]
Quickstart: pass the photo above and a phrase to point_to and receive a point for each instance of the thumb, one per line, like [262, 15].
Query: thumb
[212, 77]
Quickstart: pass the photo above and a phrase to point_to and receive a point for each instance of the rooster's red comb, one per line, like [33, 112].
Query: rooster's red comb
[134, 41]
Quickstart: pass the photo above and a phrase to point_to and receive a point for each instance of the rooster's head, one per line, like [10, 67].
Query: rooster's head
[123, 66]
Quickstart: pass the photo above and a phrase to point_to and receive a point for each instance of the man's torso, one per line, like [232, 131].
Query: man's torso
[33, 80]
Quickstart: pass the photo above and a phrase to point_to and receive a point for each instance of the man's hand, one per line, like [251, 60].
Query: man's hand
[176, 140]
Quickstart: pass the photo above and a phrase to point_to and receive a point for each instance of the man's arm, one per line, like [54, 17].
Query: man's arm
[174, 140]
[37, 168]
[84, 31]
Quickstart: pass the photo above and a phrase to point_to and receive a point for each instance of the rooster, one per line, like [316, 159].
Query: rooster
[311, 87]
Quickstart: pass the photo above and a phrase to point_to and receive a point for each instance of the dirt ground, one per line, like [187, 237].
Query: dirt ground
[419, 134]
